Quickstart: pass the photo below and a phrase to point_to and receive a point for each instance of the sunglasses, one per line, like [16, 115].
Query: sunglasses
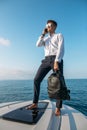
[48, 25]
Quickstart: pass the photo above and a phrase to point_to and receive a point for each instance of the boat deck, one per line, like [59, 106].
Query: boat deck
[70, 118]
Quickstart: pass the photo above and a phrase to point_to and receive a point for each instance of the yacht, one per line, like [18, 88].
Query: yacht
[16, 116]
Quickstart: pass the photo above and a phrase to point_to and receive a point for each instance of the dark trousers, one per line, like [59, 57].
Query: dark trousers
[46, 65]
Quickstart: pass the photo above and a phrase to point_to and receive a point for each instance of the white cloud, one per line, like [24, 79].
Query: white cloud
[4, 41]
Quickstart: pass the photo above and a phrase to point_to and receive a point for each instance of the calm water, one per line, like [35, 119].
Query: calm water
[15, 90]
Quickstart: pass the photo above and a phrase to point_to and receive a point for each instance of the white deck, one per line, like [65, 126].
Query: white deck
[70, 118]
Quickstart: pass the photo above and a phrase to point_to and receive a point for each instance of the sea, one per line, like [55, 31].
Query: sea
[22, 90]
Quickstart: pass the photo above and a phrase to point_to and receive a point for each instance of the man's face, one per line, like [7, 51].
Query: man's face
[50, 27]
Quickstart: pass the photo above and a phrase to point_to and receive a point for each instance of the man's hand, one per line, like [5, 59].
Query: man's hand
[56, 66]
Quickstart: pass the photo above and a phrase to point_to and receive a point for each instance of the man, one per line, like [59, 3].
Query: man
[54, 50]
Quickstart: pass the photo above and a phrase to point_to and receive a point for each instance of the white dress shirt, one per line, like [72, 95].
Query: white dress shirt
[53, 45]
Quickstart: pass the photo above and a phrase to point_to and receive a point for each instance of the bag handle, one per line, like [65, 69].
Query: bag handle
[57, 71]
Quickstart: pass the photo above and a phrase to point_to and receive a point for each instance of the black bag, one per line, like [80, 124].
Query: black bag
[57, 88]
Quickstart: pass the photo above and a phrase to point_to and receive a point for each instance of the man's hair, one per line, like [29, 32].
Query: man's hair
[52, 21]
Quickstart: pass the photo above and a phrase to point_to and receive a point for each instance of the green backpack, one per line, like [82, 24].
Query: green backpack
[57, 88]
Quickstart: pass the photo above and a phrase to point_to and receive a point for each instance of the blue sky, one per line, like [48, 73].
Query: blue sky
[21, 23]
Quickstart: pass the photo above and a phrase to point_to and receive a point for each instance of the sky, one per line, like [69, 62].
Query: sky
[22, 22]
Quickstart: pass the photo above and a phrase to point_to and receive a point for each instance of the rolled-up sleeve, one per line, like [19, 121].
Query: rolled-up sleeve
[60, 51]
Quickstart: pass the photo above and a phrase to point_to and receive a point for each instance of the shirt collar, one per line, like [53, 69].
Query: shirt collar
[51, 35]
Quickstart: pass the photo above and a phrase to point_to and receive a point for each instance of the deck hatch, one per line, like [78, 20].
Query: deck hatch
[27, 116]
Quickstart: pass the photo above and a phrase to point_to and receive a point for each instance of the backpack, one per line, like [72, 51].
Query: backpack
[57, 88]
